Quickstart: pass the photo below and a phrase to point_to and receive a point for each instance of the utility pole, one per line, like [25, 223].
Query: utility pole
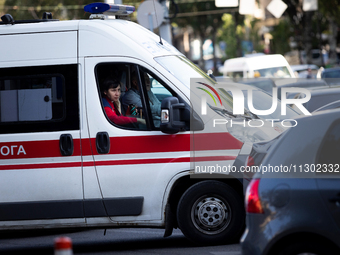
[165, 27]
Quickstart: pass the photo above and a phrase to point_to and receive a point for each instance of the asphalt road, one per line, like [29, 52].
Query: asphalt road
[116, 241]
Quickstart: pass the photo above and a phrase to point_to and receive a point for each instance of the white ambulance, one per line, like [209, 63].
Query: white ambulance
[65, 164]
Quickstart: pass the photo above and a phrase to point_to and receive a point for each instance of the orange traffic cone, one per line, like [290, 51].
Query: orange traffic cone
[63, 246]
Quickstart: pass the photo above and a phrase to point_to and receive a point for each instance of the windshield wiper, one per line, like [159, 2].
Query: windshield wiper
[253, 114]
[222, 112]
[226, 113]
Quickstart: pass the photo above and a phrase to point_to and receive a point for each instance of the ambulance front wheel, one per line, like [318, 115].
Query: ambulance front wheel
[210, 213]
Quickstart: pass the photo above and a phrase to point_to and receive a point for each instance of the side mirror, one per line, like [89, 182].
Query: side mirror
[170, 115]
[175, 116]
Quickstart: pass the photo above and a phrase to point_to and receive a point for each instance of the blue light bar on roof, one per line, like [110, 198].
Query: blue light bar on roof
[116, 9]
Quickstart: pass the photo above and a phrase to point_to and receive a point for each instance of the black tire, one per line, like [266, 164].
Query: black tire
[210, 213]
[308, 248]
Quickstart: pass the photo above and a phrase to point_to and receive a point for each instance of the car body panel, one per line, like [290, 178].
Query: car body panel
[296, 204]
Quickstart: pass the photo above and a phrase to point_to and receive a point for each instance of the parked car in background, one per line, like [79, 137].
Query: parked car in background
[330, 75]
[265, 84]
[318, 57]
[298, 211]
[320, 97]
[301, 71]
[300, 83]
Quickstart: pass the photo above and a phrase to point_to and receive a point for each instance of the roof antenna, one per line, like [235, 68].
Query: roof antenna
[160, 38]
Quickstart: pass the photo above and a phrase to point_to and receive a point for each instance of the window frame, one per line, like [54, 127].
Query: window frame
[142, 88]
[70, 98]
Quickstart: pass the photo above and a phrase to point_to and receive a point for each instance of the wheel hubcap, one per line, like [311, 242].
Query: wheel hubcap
[210, 215]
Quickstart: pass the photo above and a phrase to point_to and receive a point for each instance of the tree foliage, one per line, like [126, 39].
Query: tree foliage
[330, 9]
[309, 25]
[281, 34]
[204, 18]
[198, 20]
[237, 28]
[228, 34]
[255, 36]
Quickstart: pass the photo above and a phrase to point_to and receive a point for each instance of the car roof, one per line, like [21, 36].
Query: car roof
[255, 62]
[318, 115]
[303, 67]
[298, 82]
[94, 37]
[332, 105]
[51, 26]
[331, 69]
[324, 91]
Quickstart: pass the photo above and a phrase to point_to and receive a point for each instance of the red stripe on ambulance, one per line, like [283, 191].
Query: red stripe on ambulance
[171, 143]
[34, 149]
[122, 145]
[114, 162]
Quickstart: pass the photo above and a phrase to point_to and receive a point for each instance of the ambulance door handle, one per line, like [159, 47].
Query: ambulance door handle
[66, 144]
[103, 142]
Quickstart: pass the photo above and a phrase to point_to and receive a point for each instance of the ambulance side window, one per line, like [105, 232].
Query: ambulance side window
[155, 93]
[34, 99]
[120, 97]
[139, 105]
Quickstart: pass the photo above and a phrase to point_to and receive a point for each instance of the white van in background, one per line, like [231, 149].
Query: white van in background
[257, 65]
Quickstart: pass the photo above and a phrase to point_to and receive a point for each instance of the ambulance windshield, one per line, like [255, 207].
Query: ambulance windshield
[183, 69]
